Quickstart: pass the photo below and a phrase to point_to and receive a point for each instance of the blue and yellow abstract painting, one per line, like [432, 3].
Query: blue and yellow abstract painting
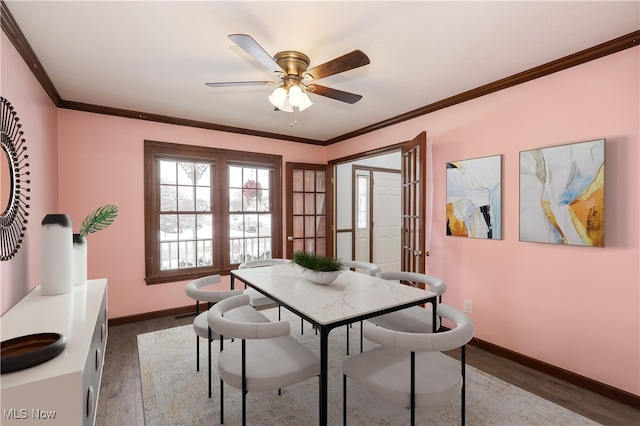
[562, 194]
[474, 198]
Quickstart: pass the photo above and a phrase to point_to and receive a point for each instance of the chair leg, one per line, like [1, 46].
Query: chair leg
[221, 401]
[462, 392]
[361, 336]
[413, 388]
[344, 399]
[197, 353]
[244, 382]
[209, 359]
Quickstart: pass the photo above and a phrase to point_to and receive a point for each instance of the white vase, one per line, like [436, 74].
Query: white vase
[317, 277]
[79, 260]
[56, 255]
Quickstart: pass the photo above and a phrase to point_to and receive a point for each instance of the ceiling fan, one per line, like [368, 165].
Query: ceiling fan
[294, 77]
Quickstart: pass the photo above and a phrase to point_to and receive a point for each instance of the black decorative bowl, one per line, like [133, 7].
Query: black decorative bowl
[26, 351]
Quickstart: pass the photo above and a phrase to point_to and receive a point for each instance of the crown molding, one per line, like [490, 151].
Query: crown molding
[15, 35]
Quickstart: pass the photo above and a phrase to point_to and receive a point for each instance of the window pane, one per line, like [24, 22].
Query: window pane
[298, 180]
[187, 229]
[204, 228]
[168, 198]
[203, 174]
[320, 205]
[187, 254]
[186, 174]
[298, 226]
[203, 198]
[250, 225]
[263, 204]
[235, 177]
[167, 172]
[309, 203]
[186, 198]
[264, 228]
[168, 256]
[205, 252]
[309, 181]
[169, 227]
[320, 181]
[298, 203]
[264, 178]
[235, 200]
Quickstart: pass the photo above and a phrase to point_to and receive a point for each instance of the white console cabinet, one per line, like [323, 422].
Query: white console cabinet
[63, 390]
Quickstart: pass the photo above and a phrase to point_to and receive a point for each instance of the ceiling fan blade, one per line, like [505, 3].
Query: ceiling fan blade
[249, 45]
[239, 83]
[343, 63]
[350, 98]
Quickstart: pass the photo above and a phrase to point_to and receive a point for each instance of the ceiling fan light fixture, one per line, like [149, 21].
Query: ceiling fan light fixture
[278, 98]
[286, 106]
[306, 102]
[296, 96]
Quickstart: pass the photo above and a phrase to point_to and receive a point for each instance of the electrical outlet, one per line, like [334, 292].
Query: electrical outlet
[468, 306]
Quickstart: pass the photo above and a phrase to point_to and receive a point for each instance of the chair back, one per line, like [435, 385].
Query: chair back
[263, 262]
[426, 342]
[435, 284]
[243, 330]
[194, 290]
[371, 268]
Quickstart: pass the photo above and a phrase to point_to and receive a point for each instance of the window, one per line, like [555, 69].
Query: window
[207, 210]
[362, 208]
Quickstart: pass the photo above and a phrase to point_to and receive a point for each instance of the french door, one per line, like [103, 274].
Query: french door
[414, 212]
[309, 206]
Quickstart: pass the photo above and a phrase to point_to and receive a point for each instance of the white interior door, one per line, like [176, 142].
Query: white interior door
[362, 220]
[386, 212]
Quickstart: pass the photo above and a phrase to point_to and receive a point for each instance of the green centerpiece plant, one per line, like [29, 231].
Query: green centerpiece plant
[316, 262]
[316, 268]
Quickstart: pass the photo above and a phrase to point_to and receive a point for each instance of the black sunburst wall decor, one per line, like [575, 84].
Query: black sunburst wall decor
[13, 215]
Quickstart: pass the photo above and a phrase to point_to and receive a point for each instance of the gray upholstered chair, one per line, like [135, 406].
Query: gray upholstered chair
[263, 357]
[367, 268]
[408, 369]
[414, 319]
[258, 299]
[197, 290]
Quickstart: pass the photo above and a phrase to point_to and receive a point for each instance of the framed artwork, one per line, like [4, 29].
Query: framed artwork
[562, 194]
[474, 203]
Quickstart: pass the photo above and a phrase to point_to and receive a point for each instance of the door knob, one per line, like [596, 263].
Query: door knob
[289, 238]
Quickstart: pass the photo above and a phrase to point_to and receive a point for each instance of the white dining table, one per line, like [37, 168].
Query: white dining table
[352, 297]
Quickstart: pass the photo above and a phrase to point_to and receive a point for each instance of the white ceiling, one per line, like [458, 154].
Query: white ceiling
[155, 56]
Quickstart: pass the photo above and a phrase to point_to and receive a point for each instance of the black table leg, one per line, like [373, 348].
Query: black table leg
[324, 369]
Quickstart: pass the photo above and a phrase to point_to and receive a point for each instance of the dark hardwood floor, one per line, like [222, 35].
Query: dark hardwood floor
[120, 400]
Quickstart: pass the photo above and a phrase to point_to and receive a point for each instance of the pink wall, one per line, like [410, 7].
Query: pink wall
[38, 117]
[573, 307]
[101, 162]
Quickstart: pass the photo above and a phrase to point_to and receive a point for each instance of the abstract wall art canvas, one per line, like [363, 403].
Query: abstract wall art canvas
[474, 205]
[562, 194]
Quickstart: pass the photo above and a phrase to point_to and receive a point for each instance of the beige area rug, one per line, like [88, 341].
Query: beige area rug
[174, 393]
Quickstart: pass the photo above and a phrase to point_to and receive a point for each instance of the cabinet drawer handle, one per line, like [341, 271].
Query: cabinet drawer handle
[98, 358]
[90, 401]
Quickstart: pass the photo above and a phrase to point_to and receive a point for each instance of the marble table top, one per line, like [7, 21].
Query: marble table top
[351, 295]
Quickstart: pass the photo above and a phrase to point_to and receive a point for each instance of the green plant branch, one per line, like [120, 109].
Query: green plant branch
[99, 219]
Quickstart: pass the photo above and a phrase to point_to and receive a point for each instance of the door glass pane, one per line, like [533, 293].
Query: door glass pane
[309, 180]
[298, 180]
[298, 203]
[320, 181]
